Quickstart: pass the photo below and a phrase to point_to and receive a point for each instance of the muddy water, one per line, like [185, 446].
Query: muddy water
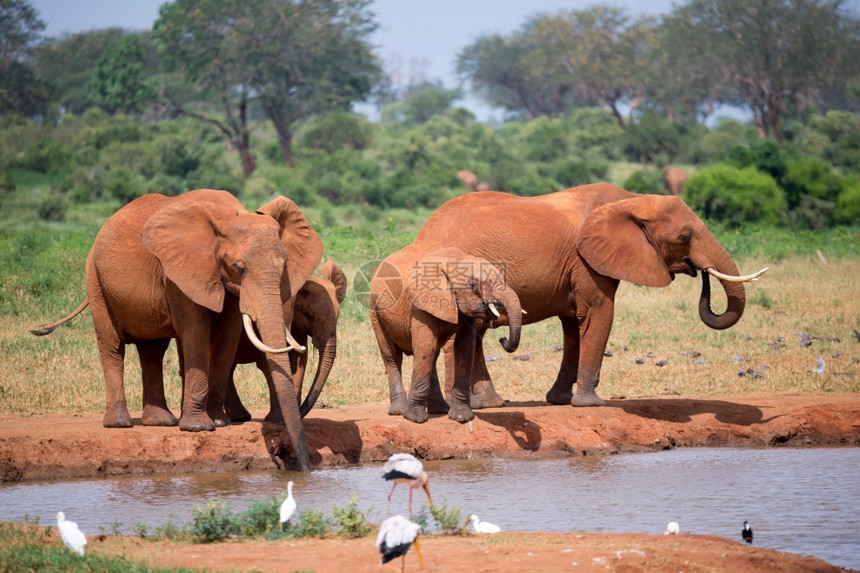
[804, 501]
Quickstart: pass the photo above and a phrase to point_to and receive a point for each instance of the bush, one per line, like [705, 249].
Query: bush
[595, 133]
[652, 139]
[645, 181]
[124, 184]
[336, 130]
[53, 207]
[573, 172]
[213, 522]
[352, 522]
[735, 196]
[848, 202]
[313, 523]
[809, 176]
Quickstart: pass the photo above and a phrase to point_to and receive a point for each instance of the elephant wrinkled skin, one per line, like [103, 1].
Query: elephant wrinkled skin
[564, 254]
[190, 267]
[418, 301]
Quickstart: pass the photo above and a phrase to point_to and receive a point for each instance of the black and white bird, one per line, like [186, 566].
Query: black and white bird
[406, 468]
[396, 535]
[672, 528]
[288, 507]
[73, 538]
[747, 533]
[483, 526]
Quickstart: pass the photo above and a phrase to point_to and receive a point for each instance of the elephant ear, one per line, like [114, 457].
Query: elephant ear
[335, 275]
[430, 288]
[614, 243]
[182, 237]
[304, 247]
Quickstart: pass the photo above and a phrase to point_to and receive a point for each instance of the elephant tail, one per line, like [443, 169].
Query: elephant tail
[49, 328]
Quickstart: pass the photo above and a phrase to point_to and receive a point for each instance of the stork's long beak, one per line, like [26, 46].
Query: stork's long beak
[418, 553]
[427, 491]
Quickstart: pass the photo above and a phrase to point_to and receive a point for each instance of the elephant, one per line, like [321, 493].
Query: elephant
[315, 314]
[419, 299]
[564, 254]
[674, 179]
[196, 267]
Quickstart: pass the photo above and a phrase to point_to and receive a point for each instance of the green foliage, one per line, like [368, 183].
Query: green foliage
[834, 136]
[212, 523]
[652, 139]
[53, 207]
[119, 79]
[260, 519]
[645, 181]
[336, 130]
[422, 101]
[848, 202]
[735, 196]
[449, 519]
[573, 171]
[352, 522]
[313, 523]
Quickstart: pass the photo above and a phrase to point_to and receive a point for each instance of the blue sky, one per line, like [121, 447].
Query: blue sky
[420, 38]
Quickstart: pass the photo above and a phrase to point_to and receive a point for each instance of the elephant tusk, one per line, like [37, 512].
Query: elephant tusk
[258, 344]
[522, 310]
[492, 308]
[730, 278]
[293, 343]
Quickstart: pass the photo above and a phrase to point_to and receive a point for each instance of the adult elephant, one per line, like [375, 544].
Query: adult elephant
[196, 267]
[315, 314]
[419, 299]
[674, 179]
[564, 254]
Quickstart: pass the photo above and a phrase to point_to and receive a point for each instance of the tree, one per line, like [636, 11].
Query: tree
[20, 89]
[119, 80]
[423, 100]
[780, 55]
[288, 58]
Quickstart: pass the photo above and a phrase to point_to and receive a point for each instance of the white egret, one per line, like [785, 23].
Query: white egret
[672, 529]
[71, 535]
[288, 507]
[483, 526]
[747, 533]
[396, 535]
[406, 468]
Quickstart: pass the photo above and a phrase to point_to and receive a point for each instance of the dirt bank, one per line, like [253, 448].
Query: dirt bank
[59, 445]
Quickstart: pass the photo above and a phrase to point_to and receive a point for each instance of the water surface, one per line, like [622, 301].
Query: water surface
[802, 501]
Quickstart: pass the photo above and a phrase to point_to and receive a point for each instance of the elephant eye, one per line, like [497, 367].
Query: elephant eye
[685, 238]
[473, 284]
[239, 268]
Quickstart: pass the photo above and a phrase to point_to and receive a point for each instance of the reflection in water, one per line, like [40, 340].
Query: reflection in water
[792, 502]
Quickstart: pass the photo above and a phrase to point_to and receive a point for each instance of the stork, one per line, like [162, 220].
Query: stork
[396, 535]
[406, 468]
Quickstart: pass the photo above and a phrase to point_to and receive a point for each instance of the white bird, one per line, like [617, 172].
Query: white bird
[71, 535]
[406, 468]
[288, 507]
[483, 526]
[672, 529]
[819, 366]
[396, 535]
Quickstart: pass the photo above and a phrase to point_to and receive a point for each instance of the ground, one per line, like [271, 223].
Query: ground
[62, 446]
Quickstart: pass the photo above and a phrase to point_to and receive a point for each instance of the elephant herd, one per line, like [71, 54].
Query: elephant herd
[232, 287]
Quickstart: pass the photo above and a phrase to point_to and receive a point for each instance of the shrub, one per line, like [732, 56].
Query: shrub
[573, 172]
[261, 517]
[53, 207]
[594, 132]
[645, 181]
[545, 139]
[809, 176]
[124, 184]
[353, 522]
[336, 130]
[848, 202]
[834, 136]
[449, 519]
[735, 196]
[213, 522]
[651, 139]
[313, 523]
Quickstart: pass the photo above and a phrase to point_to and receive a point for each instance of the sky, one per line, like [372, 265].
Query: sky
[420, 38]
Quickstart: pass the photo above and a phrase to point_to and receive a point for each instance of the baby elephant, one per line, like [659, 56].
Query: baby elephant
[420, 299]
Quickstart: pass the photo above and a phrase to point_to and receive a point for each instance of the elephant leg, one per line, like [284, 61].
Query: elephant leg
[483, 394]
[436, 403]
[226, 331]
[562, 389]
[299, 363]
[193, 323]
[594, 335]
[425, 354]
[464, 354]
[155, 410]
[112, 355]
[233, 405]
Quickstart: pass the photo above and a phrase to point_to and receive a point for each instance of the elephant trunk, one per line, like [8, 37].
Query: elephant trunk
[716, 257]
[327, 346]
[272, 330]
[515, 319]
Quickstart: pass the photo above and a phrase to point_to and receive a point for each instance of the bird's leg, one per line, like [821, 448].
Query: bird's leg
[410, 503]
[388, 505]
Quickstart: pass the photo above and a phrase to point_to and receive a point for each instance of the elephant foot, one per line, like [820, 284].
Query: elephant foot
[220, 419]
[158, 416]
[461, 413]
[238, 414]
[198, 423]
[586, 398]
[117, 416]
[417, 414]
[397, 407]
[483, 395]
[275, 417]
[559, 396]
